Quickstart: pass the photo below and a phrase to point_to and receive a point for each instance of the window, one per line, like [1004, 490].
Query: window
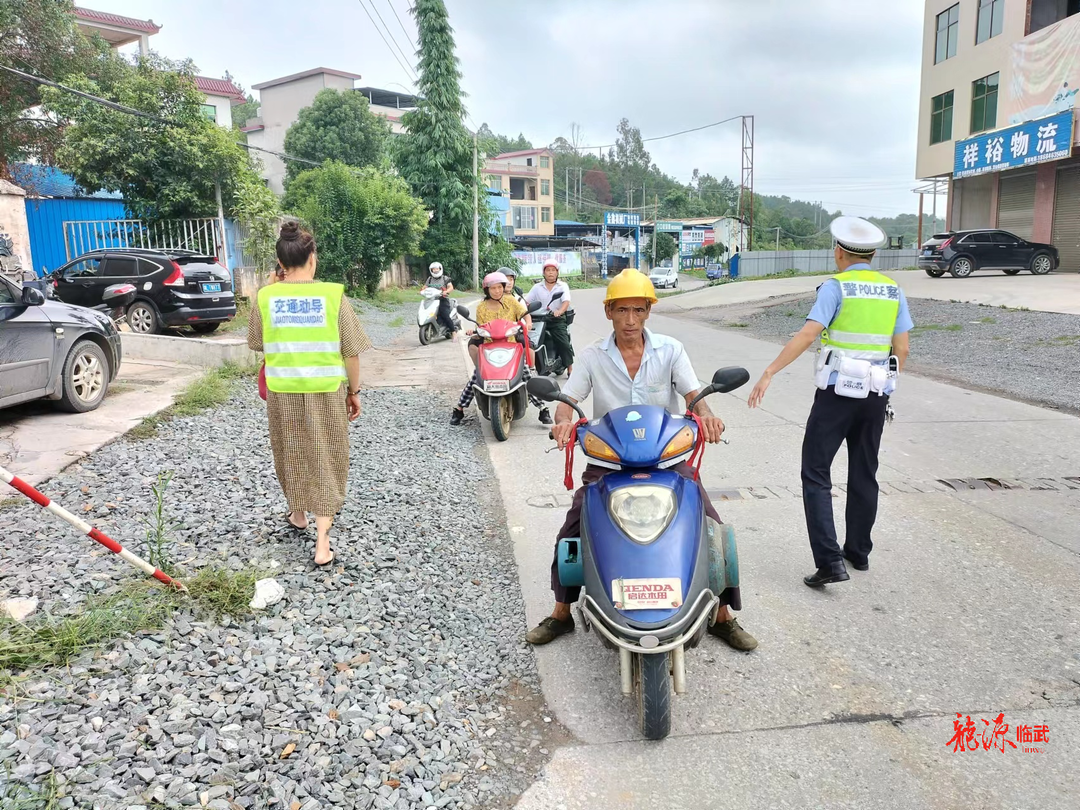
[85, 269]
[941, 118]
[978, 239]
[1002, 238]
[121, 268]
[545, 188]
[984, 93]
[948, 29]
[545, 162]
[528, 162]
[148, 268]
[495, 182]
[1042, 13]
[524, 218]
[210, 111]
[545, 214]
[990, 17]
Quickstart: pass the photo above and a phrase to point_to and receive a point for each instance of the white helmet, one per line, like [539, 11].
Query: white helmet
[435, 268]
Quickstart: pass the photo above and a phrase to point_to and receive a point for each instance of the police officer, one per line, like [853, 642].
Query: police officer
[863, 320]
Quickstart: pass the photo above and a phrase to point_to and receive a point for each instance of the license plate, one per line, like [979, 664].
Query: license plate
[496, 386]
[646, 594]
[207, 287]
[927, 252]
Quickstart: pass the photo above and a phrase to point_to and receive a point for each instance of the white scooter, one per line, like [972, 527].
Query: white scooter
[427, 318]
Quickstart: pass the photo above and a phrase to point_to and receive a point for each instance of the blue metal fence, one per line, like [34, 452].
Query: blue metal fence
[45, 220]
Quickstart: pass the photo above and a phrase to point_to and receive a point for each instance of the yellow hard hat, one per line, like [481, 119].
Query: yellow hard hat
[631, 283]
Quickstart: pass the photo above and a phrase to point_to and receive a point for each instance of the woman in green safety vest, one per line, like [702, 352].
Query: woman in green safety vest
[311, 338]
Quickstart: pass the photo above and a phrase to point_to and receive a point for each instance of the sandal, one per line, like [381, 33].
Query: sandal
[333, 556]
[293, 526]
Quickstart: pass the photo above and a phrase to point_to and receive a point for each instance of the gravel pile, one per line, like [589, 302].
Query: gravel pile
[381, 682]
[383, 326]
[1026, 355]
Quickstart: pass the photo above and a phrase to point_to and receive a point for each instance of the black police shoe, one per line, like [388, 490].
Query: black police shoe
[827, 575]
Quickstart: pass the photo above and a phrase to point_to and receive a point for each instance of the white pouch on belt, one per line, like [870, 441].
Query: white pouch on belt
[823, 369]
[879, 380]
[853, 378]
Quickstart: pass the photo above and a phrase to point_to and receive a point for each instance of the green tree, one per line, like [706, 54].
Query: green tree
[37, 37]
[337, 126]
[256, 208]
[666, 247]
[492, 144]
[362, 219]
[166, 166]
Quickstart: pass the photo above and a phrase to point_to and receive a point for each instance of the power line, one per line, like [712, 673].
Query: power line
[669, 135]
[393, 38]
[387, 44]
[408, 38]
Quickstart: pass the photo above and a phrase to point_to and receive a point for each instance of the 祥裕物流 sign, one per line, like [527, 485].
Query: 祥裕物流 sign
[1021, 145]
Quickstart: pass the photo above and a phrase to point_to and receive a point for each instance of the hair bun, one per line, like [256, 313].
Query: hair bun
[290, 231]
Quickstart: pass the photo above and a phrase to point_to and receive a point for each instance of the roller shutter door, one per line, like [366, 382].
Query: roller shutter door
[975, 202]
[1066, 236]
[1016, 204]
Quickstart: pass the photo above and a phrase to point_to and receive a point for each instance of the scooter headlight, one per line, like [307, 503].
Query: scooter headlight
[642, 512]
[499, 357]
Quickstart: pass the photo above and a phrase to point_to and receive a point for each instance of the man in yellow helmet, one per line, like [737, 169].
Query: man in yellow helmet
[863, 320]
[631, 366]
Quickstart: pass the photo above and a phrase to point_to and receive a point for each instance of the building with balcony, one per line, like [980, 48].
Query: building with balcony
[280, 102]
[527, 179]
[997, 116]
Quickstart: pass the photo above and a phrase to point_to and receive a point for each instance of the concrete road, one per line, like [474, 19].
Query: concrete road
[1057, 292]
[37, 441]
[969, 607]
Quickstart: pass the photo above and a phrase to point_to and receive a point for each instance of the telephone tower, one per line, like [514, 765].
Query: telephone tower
[746, 185]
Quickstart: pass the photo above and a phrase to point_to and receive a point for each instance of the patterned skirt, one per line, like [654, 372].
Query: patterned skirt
[309, 434]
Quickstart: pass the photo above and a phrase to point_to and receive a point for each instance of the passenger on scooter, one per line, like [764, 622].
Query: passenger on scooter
[437, 279]
[631, 366]
[511, 286]
[497, 305]
[557, 329]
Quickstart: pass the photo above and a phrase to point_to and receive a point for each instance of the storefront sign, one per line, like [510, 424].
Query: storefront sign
[621, 219]
[669, 227]
[1022, 145]
[532, 262]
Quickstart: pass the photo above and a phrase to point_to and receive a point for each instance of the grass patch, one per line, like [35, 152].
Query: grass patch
[21, 797]
[582, 283]
[211, 390]
[988, 319]
[243, 314]
[937, 327]
[737, 325]
[141, 606]
[11, 503]
[393, 297]
[397, 322]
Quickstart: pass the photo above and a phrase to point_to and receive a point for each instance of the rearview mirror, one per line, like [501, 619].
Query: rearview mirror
[463, 311]
[728, 379]
[33, 297]
[544, 388]
[556, 296]
[535, 305]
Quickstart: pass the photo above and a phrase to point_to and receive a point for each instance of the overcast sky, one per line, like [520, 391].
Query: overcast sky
[833, 84]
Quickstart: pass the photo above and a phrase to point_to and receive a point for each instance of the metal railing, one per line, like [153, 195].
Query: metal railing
[198, 235]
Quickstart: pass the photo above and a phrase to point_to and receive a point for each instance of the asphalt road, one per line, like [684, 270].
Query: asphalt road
[850, 700]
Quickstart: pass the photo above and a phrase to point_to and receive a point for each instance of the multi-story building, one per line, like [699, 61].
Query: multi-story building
[527, 178]
[280, 102]
[997, 116]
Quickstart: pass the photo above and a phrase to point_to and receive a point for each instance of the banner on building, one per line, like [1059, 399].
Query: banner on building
[669, 227]
[1045, 77]
[1022, 145]
[532, 262]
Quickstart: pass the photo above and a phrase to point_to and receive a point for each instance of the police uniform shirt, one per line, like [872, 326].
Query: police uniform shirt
[827, 307]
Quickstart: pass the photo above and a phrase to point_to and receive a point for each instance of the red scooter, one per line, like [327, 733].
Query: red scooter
[500, 395]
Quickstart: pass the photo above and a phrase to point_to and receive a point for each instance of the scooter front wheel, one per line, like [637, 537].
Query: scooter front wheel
[653, 685]
[501, 414]
[427, 334]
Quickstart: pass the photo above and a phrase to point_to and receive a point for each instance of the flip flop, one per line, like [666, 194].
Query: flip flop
[293, 526]
[333, 557]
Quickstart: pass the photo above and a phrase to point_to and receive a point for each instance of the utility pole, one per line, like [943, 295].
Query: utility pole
[475, 220]
[655, 231]
[935, 207]
[777, 240]
[566, 193]
[221, 227]
[920, 219]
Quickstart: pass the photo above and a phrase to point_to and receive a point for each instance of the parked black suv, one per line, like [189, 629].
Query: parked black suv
[175, 287]
[964, 252]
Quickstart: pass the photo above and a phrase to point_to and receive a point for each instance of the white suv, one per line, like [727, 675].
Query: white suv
[662, 277]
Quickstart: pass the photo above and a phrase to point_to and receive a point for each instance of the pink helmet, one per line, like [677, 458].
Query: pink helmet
[495, 278]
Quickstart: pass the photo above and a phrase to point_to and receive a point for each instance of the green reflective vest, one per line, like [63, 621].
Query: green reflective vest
[863, 328]
[300, 337]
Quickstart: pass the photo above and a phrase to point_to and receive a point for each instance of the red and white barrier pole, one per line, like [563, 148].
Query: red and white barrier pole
[42, 501]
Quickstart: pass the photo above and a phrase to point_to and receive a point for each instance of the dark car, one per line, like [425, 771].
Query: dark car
[174, 287]
[964, 252]
[52, 350]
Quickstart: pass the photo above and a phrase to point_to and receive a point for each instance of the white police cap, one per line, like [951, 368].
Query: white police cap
[856, 235]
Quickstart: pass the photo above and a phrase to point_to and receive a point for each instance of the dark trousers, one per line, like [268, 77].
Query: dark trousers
[572, 526]
[560, 340]
[444, 316]
[835, 419]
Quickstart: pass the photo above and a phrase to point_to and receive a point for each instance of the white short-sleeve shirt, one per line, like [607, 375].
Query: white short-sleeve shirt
[664, 378]
[541, 293]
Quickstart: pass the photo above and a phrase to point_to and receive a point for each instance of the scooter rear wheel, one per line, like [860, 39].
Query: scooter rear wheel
[653, 685]
[501, 414]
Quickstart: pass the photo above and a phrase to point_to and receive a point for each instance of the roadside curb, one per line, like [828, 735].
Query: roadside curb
[187, 351]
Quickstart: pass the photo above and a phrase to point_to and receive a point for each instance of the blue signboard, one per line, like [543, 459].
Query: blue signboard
[621, 219]
[1021, 145]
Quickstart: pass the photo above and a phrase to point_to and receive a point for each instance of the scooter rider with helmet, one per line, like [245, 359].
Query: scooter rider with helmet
[497, 305]
[511, 286]
[557, 330]
[630, 366]
[439, 280]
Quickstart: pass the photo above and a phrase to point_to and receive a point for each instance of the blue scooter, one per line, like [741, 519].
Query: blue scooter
[653, 566]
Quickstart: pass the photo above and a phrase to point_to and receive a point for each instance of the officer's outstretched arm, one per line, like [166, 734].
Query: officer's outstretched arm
[799, 343]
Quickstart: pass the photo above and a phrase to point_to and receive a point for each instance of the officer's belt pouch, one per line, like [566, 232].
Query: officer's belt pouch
[823, 370]
[880, 377]
[853, 378]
